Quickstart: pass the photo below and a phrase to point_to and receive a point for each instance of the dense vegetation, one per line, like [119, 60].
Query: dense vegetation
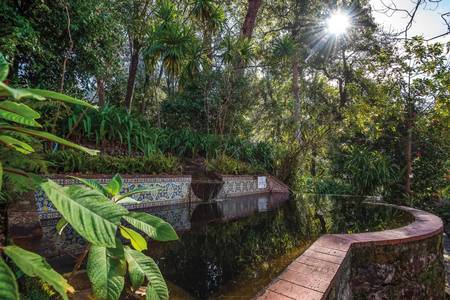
[242, 86]
[365, 112]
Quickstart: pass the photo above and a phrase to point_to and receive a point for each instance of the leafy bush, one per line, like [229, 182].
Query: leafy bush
[226, 165]
[322, 186]
[113, 128]
[367, 171]
[69, 161]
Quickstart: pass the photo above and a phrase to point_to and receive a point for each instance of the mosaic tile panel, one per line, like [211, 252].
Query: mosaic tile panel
[169, 191]
[240, 185]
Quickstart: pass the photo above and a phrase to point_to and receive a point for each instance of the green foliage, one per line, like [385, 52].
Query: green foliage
[100, 216]
[154, 227]
[140, 266]
[129, 133]
[366, 171]
[35, 265]
[68, 161]
[8, 284]
[93, 212]
[224, 164]
[16, 117]
[106, 269]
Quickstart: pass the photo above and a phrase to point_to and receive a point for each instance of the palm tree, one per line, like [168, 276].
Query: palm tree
[169, 44]
[210, 17]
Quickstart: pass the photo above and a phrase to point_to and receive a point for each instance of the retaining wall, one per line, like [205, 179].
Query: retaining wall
[404, 263]
[32, 220]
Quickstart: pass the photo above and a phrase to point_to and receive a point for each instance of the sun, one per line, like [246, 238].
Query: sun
[338, 23]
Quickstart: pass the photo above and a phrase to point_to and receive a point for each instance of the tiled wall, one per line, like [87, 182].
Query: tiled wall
[170, 190]
[241, 185]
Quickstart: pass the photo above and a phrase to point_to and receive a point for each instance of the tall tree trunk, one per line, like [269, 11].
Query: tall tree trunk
[101, 91]
[207, 41]
[296, 94]
[408, 146]
[69, 51]
[132, 71]
[250, 18]
[314, 161]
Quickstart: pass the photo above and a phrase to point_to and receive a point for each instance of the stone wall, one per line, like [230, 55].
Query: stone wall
[403, 263]
[411, 270]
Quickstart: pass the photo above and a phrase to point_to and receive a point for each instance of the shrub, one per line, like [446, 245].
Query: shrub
[69, 161]
[113, 128]
[226, 165]
[368, 171]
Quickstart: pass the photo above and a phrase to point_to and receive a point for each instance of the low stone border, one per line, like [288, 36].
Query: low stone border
[349, 266]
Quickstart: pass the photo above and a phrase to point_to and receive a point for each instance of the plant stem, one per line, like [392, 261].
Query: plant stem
[79, 262]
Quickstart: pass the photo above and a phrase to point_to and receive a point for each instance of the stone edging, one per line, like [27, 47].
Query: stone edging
[313, 274]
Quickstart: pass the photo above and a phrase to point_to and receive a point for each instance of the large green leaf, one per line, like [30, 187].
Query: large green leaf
[35, 265]
[154, 227]
[93, 184]
[106, 269]
[151, 294]
[114, 185]
[137, 241]
[61, 97]
[8, 284]
[139, 266]
[16, 144]
[4, 68]
[89, 212]
[49, 137]
[19, 109]
[13, 117]
[18, 94]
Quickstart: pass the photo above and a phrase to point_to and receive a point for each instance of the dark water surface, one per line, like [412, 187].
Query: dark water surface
[232, 248]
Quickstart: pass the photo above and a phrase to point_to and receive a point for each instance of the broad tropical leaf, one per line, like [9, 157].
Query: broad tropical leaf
[49, 137]
[10, 116]
[61, 97]
[93, 184]
[154, 227]
[140, 265]
[16, 144]
[4, 68]
[19, 109]
[114, 185]
[137, 241]
[106, 269]
[35, 265]
[8, 284]
[151, 294]
[89, 212]
[18, 93]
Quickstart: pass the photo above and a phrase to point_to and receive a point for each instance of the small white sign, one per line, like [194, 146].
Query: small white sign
[262, 182]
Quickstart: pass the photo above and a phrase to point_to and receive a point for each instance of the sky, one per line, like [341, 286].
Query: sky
[428, 21]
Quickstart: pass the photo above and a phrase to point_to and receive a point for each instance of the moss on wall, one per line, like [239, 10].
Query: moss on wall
[413, 270]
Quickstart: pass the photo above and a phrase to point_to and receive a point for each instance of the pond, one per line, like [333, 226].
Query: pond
[234, 247]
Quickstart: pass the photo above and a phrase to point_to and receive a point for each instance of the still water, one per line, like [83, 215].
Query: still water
[232, 248]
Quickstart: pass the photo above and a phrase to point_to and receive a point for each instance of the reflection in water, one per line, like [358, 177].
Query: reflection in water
[236, 246]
